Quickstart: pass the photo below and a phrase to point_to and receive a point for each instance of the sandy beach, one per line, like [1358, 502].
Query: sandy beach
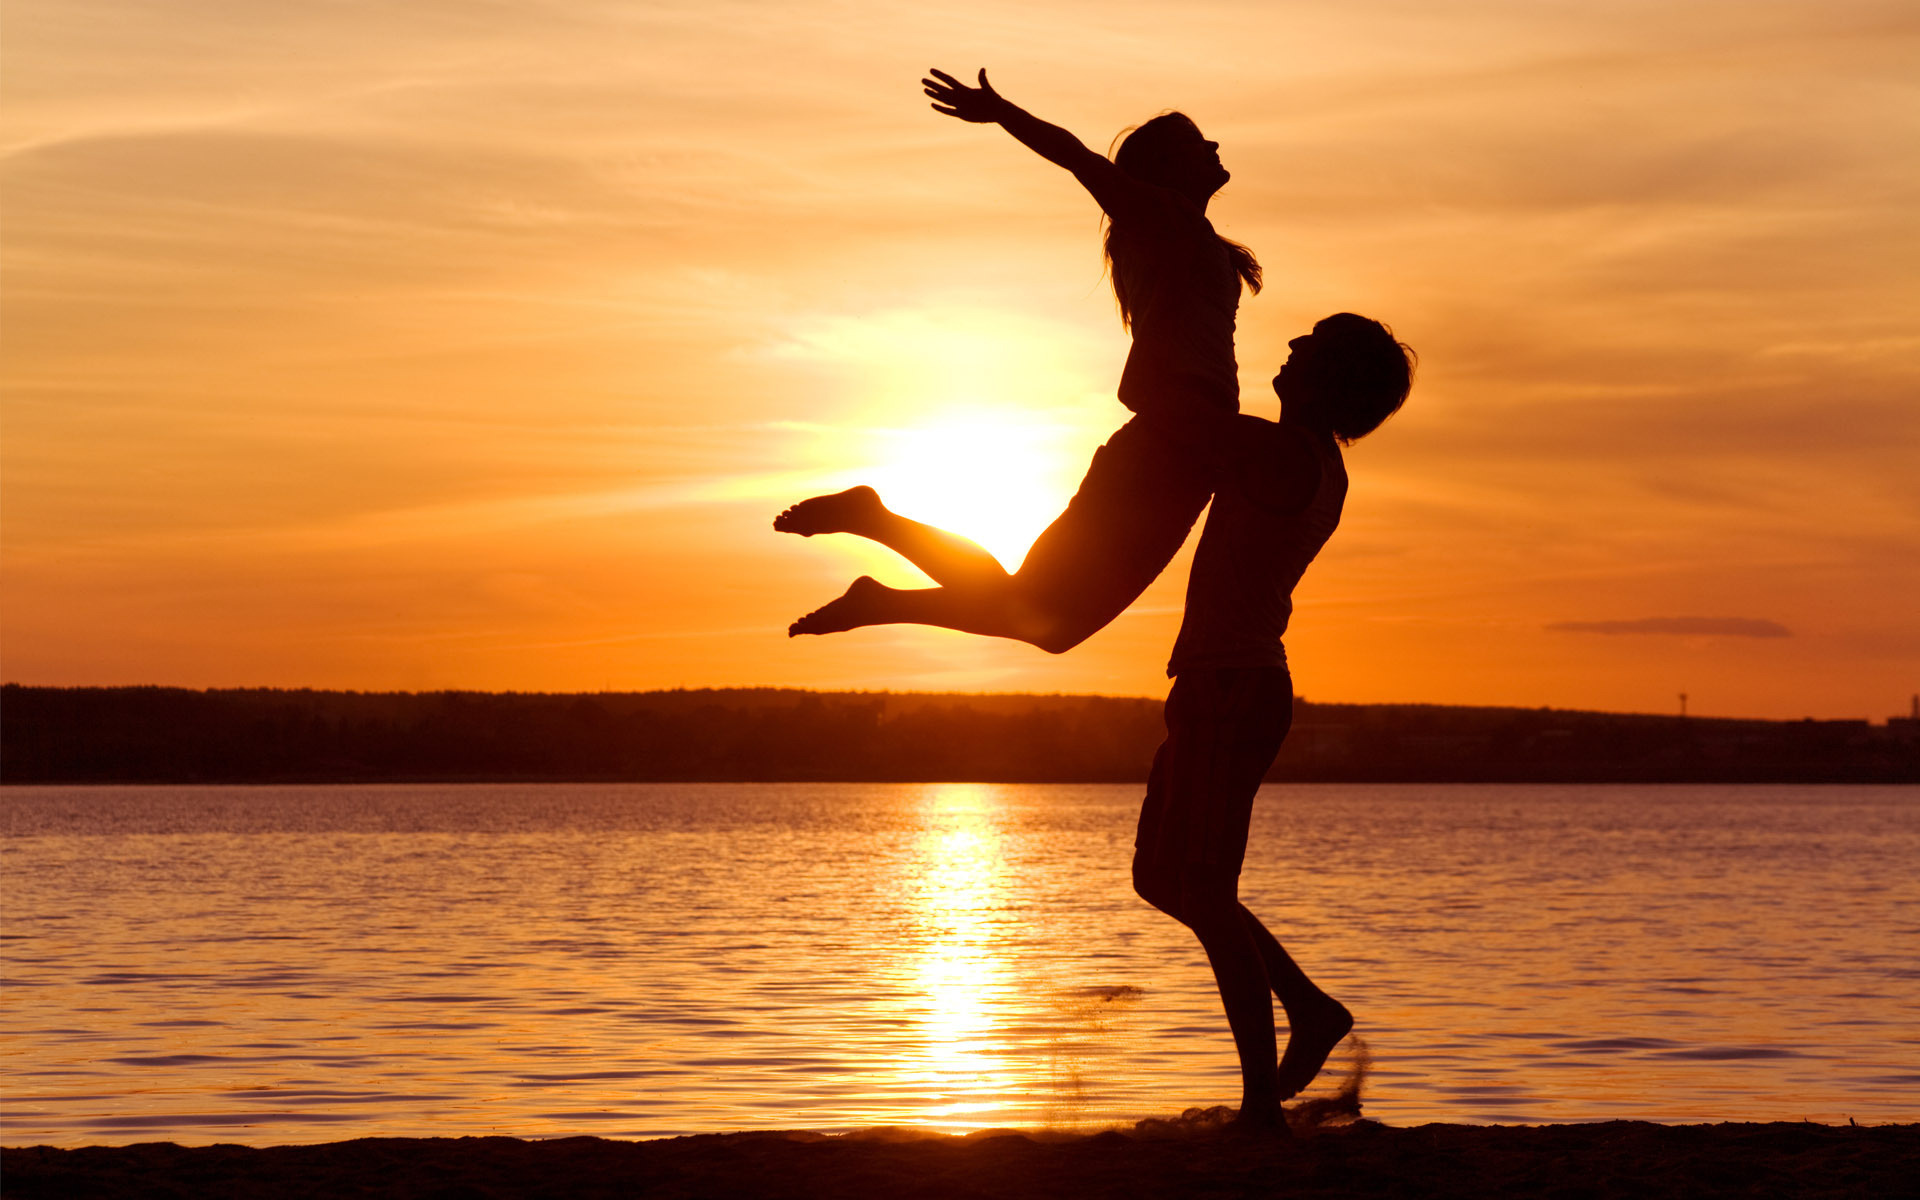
[1153, 1159]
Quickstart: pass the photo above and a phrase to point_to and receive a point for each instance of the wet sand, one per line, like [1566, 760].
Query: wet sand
[1154, 1159]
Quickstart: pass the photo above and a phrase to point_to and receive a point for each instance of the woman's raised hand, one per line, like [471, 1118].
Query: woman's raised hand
[978, 104]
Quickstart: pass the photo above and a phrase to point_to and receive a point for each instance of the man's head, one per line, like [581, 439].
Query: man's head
[1347, 376]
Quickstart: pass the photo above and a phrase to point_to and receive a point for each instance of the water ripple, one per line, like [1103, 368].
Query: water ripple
[253, 963]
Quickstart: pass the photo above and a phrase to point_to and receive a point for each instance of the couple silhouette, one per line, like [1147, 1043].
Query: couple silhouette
[1277, 489]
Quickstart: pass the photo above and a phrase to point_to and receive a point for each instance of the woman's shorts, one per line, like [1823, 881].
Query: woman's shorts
[1136, 504]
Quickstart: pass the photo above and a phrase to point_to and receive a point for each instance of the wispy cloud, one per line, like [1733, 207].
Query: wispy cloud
[1687, 626]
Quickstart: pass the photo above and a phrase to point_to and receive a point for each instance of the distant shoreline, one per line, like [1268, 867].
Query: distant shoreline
[1607, 1159]
[154, 735]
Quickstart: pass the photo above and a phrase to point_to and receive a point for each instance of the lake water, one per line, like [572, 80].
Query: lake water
[271, 965]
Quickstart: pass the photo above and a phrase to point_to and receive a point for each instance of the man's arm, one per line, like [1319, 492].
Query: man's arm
[1115, 190]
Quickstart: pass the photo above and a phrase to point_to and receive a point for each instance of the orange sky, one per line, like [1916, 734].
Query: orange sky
[475, 344]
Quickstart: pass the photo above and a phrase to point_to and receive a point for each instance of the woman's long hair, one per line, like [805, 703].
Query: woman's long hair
[1142, 153]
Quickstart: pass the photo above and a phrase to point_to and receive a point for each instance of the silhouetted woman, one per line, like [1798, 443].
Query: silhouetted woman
[1178, 283]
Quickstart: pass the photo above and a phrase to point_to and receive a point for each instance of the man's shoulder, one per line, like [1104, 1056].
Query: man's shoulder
[1275, 466]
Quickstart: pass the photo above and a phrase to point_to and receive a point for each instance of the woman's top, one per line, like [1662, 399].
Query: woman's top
[1252, 553]
[1147, 486]
[1183, 293]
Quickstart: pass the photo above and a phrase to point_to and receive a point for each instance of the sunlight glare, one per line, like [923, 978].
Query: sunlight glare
[994, 477]
[977, 421]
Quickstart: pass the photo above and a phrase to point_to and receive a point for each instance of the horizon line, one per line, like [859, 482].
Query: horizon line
[470, 691]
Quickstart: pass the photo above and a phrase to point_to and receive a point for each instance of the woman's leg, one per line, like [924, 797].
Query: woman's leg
[976, 593]
[1134, 508]
[948, 559]
[1001, 609]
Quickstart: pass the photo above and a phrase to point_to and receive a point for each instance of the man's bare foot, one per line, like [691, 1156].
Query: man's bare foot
[858, 606]
[1261, 1120]
[1311, 1038]
[851, 511]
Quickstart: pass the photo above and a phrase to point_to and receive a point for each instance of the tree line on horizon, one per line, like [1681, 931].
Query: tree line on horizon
[252, 735]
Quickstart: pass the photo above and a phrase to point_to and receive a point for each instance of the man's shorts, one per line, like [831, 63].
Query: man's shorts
[1224, 727]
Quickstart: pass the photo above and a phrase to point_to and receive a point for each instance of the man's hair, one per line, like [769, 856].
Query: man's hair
[1359, 374]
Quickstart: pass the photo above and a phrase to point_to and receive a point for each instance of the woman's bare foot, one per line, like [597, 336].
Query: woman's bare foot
[858, 606]
[852, 511]
[1310, 1039]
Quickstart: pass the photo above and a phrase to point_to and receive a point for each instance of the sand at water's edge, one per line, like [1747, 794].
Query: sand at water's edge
[1618, 1158]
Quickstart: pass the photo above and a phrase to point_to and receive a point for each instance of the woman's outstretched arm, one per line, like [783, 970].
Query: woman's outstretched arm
[1113, 188]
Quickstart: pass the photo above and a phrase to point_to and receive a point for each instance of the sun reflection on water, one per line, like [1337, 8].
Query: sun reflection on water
[960, 885]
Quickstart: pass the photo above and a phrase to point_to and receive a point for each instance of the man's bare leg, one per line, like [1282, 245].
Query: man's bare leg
[1316, 1022]
[948, 559]
[1239, 972]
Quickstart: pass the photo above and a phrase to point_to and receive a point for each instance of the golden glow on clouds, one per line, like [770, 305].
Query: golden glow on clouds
[448, 345]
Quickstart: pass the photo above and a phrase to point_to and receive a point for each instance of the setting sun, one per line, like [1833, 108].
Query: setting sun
[996, 477]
